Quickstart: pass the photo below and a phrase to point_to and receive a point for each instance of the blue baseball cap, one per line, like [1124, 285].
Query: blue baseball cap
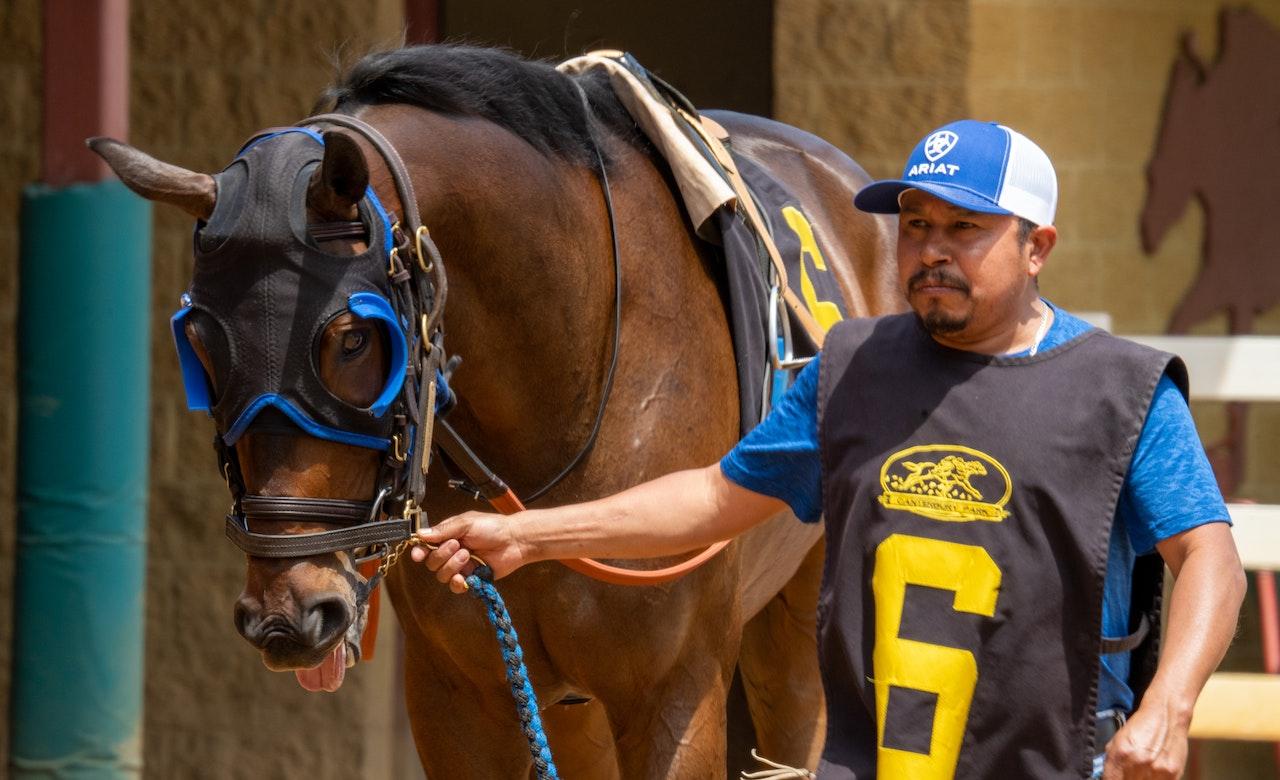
[981, 166]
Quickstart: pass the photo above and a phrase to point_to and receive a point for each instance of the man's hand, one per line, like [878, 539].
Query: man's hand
[461, 539]
[1152, 744]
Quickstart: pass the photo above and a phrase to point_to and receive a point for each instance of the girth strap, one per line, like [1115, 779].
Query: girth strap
[303, 545]
[325, 510]
[1125, 644]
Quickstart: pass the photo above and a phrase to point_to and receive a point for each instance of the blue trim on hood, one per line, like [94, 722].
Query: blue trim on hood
[304, 130]
[299, 418]
[368, 305]
[194, 379]
[388, 238]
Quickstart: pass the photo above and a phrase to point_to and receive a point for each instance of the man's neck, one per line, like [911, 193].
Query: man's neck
[1022, 331]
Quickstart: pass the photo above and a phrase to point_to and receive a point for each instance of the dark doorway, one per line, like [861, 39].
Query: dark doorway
[719, 53]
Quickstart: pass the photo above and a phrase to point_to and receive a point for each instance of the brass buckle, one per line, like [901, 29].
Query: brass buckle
[417, 241]
[393, 261]
[413, 513]
[398, 451]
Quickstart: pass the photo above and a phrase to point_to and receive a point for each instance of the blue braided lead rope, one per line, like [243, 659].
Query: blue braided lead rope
[517, 674]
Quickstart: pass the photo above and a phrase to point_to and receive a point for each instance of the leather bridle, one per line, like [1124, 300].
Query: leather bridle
[419, 289]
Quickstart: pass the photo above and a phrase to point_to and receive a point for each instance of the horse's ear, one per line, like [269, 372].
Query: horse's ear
[1191, 55]
[194, 193]
[340, 181]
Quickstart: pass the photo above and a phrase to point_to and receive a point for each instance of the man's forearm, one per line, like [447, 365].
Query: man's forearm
[1203, 611]
[666, 516]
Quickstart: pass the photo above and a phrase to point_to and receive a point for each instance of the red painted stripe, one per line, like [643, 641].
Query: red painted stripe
[1269, 621]
[422, 21]
[86, 83]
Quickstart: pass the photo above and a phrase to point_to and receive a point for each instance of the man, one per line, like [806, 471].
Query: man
[988, 467]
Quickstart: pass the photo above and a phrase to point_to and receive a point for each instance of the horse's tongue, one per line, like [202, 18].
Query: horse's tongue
[329, 674]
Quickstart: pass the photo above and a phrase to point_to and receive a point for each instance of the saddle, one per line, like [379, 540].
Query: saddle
[760, 228]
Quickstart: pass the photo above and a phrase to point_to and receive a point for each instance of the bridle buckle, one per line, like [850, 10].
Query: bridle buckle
[413, 514]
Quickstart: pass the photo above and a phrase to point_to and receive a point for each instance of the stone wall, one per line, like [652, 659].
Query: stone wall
[204, 76]
[871, 75]
[1086, 80]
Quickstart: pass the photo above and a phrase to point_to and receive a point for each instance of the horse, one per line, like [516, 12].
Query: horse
[1216, 139]
[502, 153]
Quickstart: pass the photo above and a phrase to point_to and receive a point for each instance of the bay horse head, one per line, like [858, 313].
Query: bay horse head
[288, 338]
[1172, 173]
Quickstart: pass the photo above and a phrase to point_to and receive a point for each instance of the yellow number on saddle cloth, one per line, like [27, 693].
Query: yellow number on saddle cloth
[825, 312]
[951, 673]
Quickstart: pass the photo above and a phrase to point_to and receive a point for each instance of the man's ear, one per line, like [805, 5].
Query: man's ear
[1040, 243]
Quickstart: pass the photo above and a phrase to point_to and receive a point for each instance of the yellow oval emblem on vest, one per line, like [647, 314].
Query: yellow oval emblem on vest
[946, 482]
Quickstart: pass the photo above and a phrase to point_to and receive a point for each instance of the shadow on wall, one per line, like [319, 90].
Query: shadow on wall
[731, 68]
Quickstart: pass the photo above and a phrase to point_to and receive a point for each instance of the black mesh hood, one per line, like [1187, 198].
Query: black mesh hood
[272, 291]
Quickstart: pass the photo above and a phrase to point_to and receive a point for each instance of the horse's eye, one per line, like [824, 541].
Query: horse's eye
[353, 343]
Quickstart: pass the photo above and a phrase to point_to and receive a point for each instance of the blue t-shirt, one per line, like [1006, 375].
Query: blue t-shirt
[1170, 487]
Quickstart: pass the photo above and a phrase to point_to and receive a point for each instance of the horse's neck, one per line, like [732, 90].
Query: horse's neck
[526, 243]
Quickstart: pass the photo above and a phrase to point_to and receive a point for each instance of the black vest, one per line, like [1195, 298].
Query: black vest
[968, 503]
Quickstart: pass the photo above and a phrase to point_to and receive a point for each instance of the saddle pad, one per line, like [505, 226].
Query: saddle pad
[747, 274]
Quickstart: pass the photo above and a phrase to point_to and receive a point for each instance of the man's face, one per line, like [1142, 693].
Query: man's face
[965, 273]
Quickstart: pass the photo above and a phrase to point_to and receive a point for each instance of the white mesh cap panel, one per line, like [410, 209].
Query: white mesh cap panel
[1030, 187]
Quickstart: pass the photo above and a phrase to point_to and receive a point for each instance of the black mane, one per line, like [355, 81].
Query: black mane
[530, 98]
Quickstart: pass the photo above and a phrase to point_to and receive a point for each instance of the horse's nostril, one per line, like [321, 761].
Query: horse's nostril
[324, 620]
[245, 621]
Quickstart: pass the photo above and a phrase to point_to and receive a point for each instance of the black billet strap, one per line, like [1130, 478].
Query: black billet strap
[488, 484]
[1108, 726]
[1125, 644]
[302, 545]
[325, 510]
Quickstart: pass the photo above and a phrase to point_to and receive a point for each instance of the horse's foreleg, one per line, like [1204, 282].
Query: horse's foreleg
[779, 665]
[462, 731]
[581, 741]
[676, 730]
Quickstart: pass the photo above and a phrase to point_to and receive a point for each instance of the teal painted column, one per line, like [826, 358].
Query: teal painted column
[83, 383]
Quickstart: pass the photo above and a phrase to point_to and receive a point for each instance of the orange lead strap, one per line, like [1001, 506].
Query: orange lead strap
[370, 636]
[508, 504]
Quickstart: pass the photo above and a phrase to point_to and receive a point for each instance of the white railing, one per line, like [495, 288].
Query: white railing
[1257, 532]
[1226, 368]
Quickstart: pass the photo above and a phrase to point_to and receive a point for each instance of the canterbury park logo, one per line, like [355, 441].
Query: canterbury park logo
[937, 145]
[946, 482]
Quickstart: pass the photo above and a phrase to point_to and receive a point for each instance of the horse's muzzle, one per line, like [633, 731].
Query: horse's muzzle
[295, 643]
